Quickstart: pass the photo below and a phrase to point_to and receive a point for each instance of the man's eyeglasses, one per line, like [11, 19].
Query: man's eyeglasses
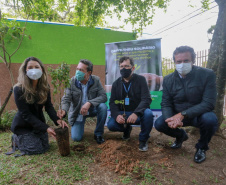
[125, 66]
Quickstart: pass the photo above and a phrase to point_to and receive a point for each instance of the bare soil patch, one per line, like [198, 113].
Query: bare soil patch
[116, 160]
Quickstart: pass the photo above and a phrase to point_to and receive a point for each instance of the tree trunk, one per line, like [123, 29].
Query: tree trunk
[217, 58]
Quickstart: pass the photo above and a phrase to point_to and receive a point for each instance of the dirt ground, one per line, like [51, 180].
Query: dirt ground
[117, 160]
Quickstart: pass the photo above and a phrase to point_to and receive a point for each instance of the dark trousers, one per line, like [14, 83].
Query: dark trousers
[207, 123]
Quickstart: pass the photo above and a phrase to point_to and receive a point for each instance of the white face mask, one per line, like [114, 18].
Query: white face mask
[184, 68]
[34, 74]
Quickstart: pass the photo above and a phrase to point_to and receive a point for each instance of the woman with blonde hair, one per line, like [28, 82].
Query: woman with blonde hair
[32, 93]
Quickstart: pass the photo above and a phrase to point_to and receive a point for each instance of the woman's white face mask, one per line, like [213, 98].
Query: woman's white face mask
[184, 68]
[34, 74]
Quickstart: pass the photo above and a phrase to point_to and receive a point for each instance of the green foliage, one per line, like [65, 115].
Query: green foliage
[9, 31]
[60, 78]
[90, 13]
[167, 66]
[119, 101]
[141, 12]
[122, 102]
[211, 31]
[6, 119]
[205, 4]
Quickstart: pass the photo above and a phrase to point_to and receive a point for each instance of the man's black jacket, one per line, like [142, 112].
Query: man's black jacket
[195, 94]
[138, 93]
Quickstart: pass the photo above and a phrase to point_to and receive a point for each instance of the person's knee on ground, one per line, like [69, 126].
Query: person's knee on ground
[76, 138]
[77, 131]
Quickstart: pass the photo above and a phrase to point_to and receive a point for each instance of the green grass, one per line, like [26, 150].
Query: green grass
[149, 178]
[48, 168]
[126, 179]
[6, 119]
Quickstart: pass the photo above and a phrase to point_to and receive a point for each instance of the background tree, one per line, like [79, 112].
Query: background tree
[88, 13]
[217, 58]
[10, 31]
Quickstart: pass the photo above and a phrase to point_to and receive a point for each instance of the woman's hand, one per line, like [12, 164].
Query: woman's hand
[51, 132]
[62, 123]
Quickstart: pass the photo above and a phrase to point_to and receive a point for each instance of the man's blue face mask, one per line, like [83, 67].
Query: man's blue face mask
[79, 75]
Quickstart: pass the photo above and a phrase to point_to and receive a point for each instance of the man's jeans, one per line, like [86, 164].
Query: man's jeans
[146, 122]
[207, 123]
[77, 130]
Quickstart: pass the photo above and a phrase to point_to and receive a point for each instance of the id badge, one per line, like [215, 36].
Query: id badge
[126, 101]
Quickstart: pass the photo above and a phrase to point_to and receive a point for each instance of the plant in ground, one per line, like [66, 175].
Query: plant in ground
[60, 81]
[122, 102]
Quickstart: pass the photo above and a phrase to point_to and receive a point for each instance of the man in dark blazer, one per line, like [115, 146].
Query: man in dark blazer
[189, 97]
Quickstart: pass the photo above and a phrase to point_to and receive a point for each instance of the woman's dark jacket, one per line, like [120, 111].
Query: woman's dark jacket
[29, 117]
[139, 95]
[195, 94]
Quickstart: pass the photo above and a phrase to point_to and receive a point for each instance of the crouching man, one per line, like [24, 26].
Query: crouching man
[189, 96]
[84, 98]
[132, 91]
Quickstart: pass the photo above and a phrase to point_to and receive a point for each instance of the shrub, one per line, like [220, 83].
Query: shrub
[7, 119]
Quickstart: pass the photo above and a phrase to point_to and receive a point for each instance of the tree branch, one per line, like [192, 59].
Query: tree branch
[1, 57]
[4, 52]
[20, 40]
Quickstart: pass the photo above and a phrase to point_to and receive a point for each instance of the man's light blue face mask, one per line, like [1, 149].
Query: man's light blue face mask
[79, 75]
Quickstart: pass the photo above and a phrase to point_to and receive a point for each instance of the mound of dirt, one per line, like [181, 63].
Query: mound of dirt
[118, 156]
[124, 157]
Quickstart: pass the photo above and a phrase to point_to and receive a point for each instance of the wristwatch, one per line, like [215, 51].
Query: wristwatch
[183, 113]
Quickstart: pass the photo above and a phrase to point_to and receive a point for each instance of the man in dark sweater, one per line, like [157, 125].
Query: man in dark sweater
[189, 96]
[130, 104]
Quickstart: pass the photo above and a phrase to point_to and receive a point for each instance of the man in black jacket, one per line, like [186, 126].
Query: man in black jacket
[189, 96]
[130, 96]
